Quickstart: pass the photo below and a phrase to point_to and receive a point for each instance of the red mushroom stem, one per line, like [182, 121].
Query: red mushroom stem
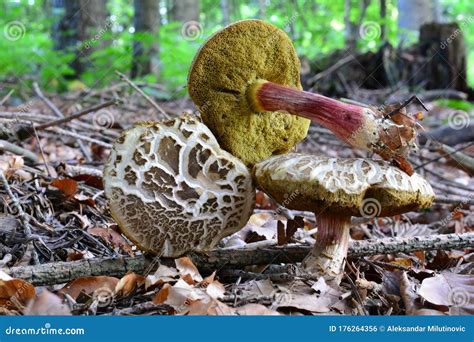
[341, 118]
[330, 250]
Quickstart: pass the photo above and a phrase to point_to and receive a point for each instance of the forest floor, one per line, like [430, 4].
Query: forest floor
[62, 253]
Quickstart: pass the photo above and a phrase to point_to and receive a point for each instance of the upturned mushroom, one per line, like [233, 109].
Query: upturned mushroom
[245, 81]
[172, 189]
[335, 190]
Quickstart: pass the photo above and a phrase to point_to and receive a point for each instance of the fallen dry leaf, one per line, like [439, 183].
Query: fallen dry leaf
[15, 294]
[128, 284]
[163, 274]
[162, 295]
[47, 304]
[67, 186]
[455, 291]
[255, 310]
[99, 286]
[112, 237]
[186, 266]
[90, 180]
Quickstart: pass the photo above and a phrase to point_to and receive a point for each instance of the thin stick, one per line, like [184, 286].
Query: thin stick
[145, 96]
[444, 155]
[7, 146]
[21, 214]
[47, 101]
[75, 115]
[41, 149]
[5, 99]
[58, 113]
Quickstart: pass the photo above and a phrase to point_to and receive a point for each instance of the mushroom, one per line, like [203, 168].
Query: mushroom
[172, 189]
[335, 190]
[245, 81]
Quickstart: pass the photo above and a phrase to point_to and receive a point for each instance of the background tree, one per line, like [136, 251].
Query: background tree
[185, 10]
[146, 43]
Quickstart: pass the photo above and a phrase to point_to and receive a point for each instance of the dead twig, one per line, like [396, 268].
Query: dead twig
[145, 96]
[75, 115]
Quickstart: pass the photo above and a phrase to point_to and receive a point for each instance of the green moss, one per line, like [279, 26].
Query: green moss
[222, 70]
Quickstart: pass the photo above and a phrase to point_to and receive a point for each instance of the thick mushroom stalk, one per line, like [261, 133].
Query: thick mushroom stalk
[361, 127]
[354, 125]
[335, 190]
[330, 250]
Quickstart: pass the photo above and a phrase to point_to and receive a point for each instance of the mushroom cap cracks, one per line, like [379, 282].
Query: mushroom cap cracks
[172, 189]
[225, 66]
[353, 186]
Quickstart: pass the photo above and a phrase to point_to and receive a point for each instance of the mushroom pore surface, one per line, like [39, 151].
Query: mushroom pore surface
[225, 66]
[321, 184]
[172, 189]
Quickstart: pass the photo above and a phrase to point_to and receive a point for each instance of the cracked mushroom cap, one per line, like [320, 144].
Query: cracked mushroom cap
[359, 187]
[172, 189]
[220, 74]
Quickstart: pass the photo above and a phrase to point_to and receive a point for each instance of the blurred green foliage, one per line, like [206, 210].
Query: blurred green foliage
[317, 28]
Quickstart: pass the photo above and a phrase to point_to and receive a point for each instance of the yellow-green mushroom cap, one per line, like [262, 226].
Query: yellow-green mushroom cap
[223, 69]
[352, 186]
[172, 189]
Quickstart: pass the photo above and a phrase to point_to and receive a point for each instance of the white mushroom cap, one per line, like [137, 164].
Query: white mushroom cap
[308, 182]
[172, 189]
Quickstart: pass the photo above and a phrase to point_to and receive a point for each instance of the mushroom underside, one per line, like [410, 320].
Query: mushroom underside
[221, 72]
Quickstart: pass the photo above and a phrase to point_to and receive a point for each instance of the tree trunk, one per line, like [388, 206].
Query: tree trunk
[185, 10]
[443, 45]
[77, 30]
[146, 20]
[262, 10]
[66, 29]
[225, 12]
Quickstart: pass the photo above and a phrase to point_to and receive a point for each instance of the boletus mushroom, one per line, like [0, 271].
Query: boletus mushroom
[172, 189]
[246, 79]
[335, 190]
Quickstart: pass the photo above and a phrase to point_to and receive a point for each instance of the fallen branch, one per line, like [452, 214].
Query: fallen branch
[9, 147]
[61, 272]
